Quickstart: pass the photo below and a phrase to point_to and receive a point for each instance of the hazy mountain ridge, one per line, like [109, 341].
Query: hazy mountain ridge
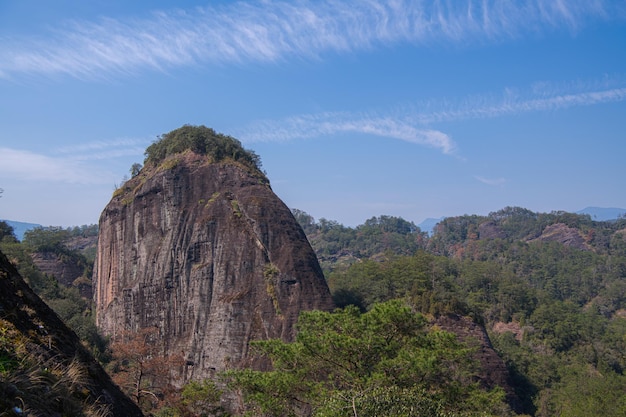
[19, 228]
[603, 213]
[426, 225]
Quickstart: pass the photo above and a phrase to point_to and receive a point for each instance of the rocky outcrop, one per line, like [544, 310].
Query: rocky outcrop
[490, 230]
[68, 270]
[53, 264]
[493, 370]
[563, 234]
[210, 256]
[46, 371]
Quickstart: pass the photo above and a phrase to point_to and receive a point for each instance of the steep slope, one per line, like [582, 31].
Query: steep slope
[205, 252]
[45, 371]
[493, 371]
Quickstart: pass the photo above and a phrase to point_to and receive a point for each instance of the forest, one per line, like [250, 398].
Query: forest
[549, 288]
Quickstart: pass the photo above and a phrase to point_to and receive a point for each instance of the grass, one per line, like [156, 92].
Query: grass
[33, 383]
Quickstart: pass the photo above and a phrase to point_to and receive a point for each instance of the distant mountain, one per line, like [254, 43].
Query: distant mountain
[429, 224]
[602, 213]
[19, 228]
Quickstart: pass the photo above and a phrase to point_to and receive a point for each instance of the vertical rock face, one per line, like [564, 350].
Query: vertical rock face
[206, 253]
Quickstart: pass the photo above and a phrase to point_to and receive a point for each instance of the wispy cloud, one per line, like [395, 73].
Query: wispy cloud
[104, 149]
[30, 166]
[415, 123]
[271, 31]
[71, 164]
[325, 124]
[491, 181]
[511, 103]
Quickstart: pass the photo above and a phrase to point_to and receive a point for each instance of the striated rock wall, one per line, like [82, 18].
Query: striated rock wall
[209, 255]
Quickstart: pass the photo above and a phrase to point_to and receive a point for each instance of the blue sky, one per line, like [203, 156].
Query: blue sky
[361, 108]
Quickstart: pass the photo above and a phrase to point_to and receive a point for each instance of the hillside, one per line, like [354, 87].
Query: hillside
[45, 370]
[202, 271]
[549, 288]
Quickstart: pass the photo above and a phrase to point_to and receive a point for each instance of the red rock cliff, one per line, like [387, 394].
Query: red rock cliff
[208, 254]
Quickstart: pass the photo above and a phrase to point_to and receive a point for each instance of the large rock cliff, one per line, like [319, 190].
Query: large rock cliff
[208, 254]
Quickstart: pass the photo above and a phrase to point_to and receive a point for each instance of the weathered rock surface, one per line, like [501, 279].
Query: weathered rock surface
[563, 234]
[53, 264]
[40, 339]
[493, 370]
[209, 255]
[65, 269]
[490, 230]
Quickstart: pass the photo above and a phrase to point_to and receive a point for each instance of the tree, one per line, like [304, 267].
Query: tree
[135, 169]
[306, 221]
[47, 239]
[7, 233]
[348, 363]
[202, 141]
[140, 368]
[201, 398]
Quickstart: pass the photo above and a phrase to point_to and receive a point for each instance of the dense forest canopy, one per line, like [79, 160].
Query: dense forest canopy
[203, 141]
[550, 289]
[386, 361]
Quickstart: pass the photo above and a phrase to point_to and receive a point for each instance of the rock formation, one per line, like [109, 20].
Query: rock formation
[563, 234]
[493, 370]
[68, 270]
[205, 252]
[46, 371]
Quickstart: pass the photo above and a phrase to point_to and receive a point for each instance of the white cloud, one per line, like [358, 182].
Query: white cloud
[325, 124]
[104, 149]
[270, 31]
[491, 181]
[70, 164]
[511, 102]
[25, 165]
[415, 125]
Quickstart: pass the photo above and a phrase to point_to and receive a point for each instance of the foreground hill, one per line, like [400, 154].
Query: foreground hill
[45, 369]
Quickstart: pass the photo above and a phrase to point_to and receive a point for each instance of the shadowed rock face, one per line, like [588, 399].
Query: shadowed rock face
[493, 370]
[49, 344]
[210, 256]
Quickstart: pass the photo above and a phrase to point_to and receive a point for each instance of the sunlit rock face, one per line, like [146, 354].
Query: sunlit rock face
[210, 256]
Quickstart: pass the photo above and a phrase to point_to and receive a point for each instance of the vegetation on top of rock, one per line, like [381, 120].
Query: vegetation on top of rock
[203, 141]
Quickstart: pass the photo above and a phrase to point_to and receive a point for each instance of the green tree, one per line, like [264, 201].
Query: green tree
[135, 169]
[201, 398]
[203, 141]
[7, 233]
[46, 238]
[349, 363]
